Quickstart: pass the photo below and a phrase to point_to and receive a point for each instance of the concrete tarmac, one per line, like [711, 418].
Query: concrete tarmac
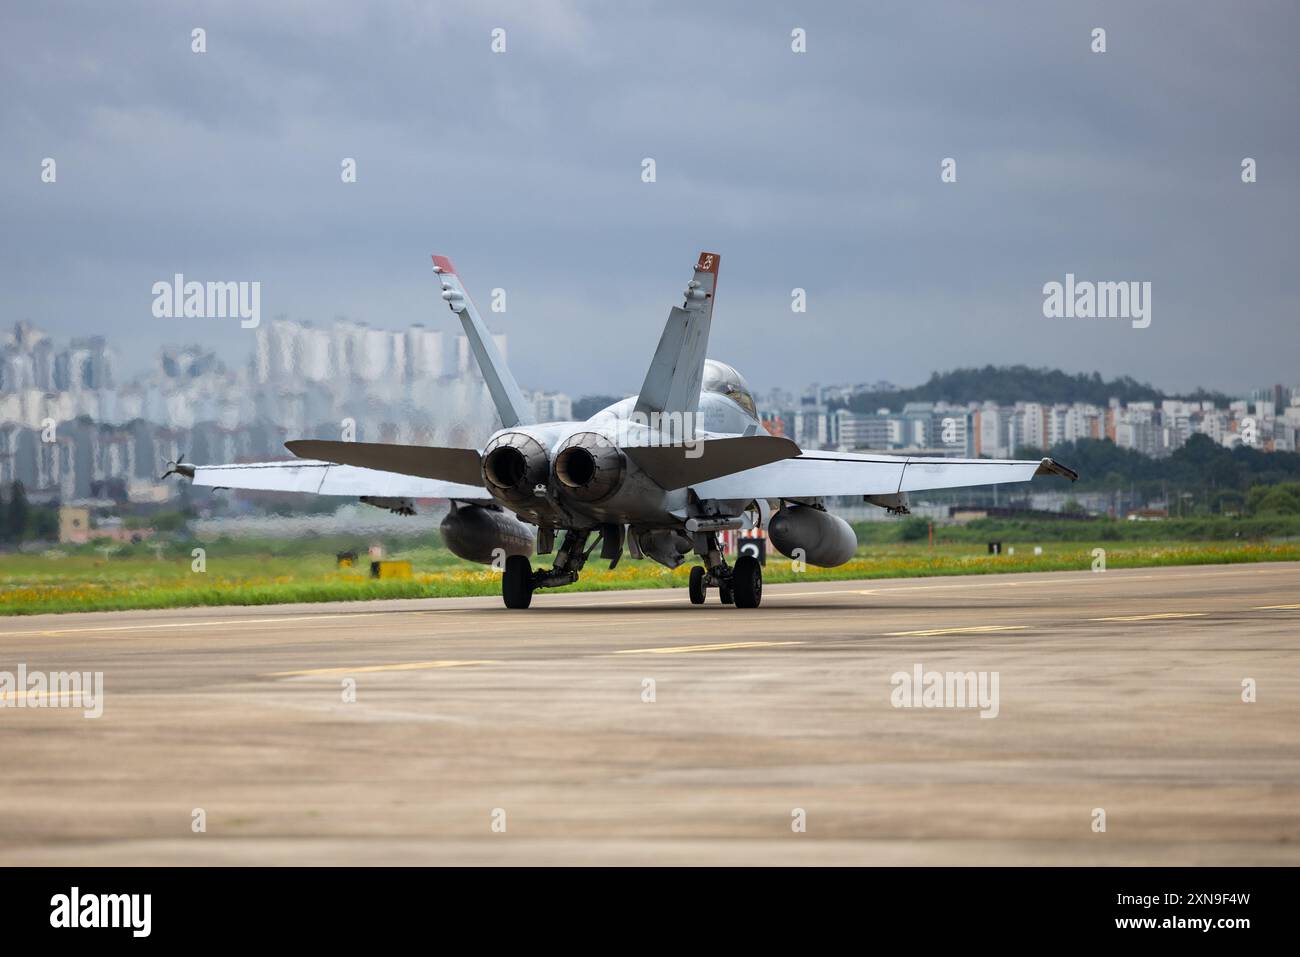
[635, 728]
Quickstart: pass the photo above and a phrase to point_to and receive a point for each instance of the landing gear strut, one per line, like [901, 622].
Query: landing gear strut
[740, 585]
[519, 581]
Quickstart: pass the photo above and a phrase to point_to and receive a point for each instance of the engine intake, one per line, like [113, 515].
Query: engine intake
[589, 467]
[514, 464]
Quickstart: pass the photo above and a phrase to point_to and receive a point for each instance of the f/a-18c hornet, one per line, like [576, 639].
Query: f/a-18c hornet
[660, 473]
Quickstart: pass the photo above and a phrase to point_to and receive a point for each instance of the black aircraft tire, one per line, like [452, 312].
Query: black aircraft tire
[726, 593]
[516, 589]
[747, 582]
[697, 585]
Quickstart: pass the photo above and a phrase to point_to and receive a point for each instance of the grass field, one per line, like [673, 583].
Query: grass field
[245, 572]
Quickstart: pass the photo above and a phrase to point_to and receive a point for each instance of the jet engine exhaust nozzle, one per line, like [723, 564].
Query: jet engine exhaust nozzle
[589, 468]
[514, 464]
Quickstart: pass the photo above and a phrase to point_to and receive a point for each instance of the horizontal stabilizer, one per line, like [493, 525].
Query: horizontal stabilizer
[447, 465]
[677, 466]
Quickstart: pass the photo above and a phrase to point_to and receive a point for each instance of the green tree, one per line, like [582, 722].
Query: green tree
[913, 529]
[44, 525]
[1008, 384]
[16, 514]
[1281, 499]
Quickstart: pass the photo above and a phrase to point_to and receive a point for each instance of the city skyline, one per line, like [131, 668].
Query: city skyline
[71, 429]
[305, 354]
[233, 355]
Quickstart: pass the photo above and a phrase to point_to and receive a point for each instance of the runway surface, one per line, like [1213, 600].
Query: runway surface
[1119, 692]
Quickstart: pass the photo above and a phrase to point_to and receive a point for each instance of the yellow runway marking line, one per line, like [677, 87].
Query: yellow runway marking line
[55, 632]
[820, 592]
[685, 649]
[362, 669]
[1273, 607]
[576, 623]
[883, 589]
[1156, 617]
[676, 595]
[887, 589]
[973, 630]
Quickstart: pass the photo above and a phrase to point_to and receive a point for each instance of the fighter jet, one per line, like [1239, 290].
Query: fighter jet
[660, 474]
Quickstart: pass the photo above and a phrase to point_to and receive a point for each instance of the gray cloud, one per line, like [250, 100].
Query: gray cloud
[816, 170]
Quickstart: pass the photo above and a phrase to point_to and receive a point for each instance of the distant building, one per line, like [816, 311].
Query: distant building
[74, 525]
[863, 430]
[551, 406]
[810, 425]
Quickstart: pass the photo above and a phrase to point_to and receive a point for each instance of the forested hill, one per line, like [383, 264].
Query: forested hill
[1006, 385]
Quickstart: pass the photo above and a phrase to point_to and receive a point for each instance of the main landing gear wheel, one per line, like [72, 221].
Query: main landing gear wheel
[726, 593]
[697, 585]
[516, 582]
[747, 582]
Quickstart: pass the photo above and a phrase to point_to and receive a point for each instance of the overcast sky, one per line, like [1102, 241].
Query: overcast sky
[818, 170]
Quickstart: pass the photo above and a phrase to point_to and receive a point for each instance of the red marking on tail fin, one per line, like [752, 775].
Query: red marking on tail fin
[444, 264]
[708, 263]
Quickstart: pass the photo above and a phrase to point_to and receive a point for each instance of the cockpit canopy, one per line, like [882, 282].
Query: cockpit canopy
[724, 380]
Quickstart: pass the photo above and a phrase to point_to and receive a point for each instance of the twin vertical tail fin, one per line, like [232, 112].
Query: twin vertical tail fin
[672, 384]
[507, 398]
[673, 381]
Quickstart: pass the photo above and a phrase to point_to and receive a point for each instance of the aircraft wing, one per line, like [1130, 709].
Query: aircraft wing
[679, 466]
[327, 478]
[819, 474]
